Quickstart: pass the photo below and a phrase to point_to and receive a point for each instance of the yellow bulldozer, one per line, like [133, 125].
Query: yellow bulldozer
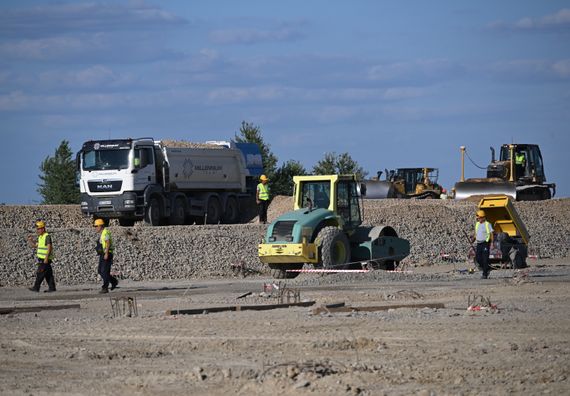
[416, 183]
[518, 173]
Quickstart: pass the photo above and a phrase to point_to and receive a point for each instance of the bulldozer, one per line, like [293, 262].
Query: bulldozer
[518, 173]
[325, 230]
[415, 183]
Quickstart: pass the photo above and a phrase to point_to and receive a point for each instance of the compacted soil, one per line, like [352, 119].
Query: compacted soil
[518, 345]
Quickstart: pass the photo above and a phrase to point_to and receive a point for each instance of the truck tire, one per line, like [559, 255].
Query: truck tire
[214, 211]
[334, 248]
[231, 214]
[153, 213]
[178, 213]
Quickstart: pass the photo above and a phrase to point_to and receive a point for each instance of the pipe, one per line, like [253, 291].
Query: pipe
[462, 148]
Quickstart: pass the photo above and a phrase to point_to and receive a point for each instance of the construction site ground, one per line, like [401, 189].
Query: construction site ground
[519, 345]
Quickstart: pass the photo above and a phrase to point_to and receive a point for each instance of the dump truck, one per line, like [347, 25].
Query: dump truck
[166, 182]
[325, 230]
[510, 242]
[414, 183]
[518, 173]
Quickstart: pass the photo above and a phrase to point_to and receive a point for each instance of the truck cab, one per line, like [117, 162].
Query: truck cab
[113, 174]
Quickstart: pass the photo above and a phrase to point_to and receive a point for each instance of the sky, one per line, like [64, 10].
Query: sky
[393, 83]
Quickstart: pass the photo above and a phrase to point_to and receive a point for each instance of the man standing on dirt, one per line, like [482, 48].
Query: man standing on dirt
[262, 199]
[105, 251]
[484, 238]
[44, 254]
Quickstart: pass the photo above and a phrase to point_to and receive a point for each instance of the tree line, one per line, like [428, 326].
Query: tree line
[58, 177]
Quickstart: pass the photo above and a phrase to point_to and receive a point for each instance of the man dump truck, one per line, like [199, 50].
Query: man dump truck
[510, 244]
[416, 183]
[519, 173]
[325, 230]
[166, 182]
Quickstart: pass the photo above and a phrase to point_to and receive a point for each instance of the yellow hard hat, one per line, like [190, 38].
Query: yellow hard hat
[480, 213]
[98, 222]
[40, 224]
[263, 178]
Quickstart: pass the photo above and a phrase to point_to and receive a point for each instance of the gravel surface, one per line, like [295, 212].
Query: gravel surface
[182, 252]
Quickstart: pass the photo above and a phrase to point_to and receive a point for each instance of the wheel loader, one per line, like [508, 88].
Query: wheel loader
[518, 173]
[415, 183]
[325, 230]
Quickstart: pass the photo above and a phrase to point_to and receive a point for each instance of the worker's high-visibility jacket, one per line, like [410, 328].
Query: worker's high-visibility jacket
[487, 227]
[42, 250]
[519, 159]
[106, 240]
[263, 190]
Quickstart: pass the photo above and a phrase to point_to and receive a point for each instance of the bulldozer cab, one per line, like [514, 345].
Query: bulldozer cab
[336, 193]
[528, 161]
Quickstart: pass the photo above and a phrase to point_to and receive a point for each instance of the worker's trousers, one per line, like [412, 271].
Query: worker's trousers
[105, 271]
[482, 257]
[262, 207]
[44, 272]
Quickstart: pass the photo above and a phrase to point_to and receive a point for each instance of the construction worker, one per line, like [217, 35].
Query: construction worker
[484, 238]
[262, 198]
[443, 194]
[520, 164]
[44, 254]
[105, 251]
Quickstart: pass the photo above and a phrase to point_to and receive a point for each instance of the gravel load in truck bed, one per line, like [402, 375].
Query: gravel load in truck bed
[437, 231]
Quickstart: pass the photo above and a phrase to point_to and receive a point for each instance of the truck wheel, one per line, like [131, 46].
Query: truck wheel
[214, 211]
[231, 214]
[126, 222]
[153, 214]
[334, 248]
[178, 213]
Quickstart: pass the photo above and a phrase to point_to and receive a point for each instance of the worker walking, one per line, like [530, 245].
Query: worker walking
[484, 238]
[44, 255]
[262, 199]
[105, 249]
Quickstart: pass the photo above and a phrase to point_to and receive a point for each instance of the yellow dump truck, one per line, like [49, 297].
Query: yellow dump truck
[510, 245]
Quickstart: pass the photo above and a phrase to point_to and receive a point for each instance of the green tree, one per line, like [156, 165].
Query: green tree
[58, 177]
[282, 182]
[342, 164]
[249, 133]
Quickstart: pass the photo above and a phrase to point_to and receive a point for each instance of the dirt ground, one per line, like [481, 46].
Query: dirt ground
[522, 347]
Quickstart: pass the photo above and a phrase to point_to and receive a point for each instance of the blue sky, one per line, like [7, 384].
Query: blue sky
[393, 83]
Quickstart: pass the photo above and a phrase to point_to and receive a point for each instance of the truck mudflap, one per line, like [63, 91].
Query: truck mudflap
[288, 253]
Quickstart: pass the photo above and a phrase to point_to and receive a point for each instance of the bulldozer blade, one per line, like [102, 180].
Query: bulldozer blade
[379, 189]
[469, 188]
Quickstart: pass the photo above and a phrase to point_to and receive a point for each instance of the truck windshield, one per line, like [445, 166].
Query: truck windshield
[105, 159]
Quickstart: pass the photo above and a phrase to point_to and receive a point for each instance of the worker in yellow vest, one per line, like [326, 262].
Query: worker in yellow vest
[105, 250]
[44, 255]
[262, 198]
[484, 238]
[520, 164]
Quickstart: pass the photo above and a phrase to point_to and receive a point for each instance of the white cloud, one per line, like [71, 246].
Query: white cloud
[249, 35]
[558, 22]
[96, 76]
[56, 19]
[418, 69]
